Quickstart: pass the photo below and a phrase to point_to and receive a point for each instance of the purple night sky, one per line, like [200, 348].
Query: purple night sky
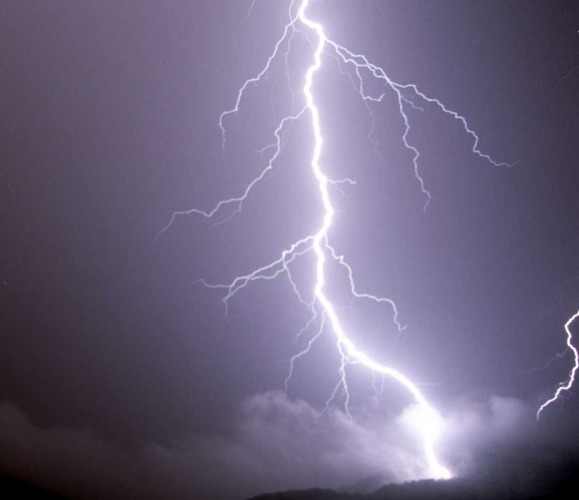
[122, 376]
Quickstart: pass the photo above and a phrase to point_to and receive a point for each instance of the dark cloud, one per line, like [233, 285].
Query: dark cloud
[278, 444]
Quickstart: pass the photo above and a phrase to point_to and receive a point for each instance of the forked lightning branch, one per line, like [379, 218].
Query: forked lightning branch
[324, 316]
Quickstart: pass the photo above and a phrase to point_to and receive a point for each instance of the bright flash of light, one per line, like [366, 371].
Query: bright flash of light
[323, 311]
[565, 386]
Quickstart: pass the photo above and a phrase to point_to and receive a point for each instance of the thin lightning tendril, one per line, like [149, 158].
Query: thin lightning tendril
[323, 312]
[565, 386]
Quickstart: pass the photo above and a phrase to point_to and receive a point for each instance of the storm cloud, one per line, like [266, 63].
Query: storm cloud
[278, 444]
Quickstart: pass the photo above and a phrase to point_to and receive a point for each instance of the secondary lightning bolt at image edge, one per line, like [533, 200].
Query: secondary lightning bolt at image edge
[565, 386]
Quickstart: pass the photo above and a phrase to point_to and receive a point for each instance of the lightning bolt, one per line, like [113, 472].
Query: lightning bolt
[566, 385]
[323, 312]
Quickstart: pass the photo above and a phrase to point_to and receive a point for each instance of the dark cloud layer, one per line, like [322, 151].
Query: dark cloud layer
[278, 444]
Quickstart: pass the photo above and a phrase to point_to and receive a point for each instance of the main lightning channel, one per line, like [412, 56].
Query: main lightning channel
[323, 312]
[320, 246]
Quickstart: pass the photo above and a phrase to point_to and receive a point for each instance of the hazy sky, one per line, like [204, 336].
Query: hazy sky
[122, 373]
